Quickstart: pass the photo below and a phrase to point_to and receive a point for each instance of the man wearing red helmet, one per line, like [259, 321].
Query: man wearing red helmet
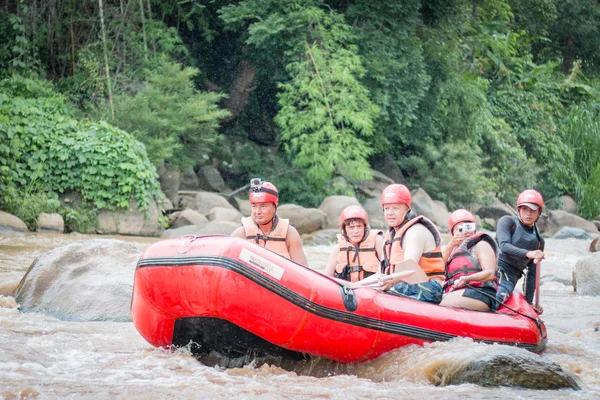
[265, 228]
[359, 249]
[412, 243]
[521, 246]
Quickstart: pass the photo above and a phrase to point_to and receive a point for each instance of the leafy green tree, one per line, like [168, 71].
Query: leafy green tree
[326, 114]
[177, 123]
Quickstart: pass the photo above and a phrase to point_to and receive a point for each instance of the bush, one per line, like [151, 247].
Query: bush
[44, 150]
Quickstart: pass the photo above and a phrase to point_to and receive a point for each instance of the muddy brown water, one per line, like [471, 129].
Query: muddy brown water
[42, 357]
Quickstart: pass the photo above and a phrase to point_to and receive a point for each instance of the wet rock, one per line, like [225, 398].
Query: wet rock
[210, 179]
[50, 223]
[89, 280]
[205, 201]
[555, 220]
[572, 233]
[130, 222]
[523, 370]
[170, 181]
[375, 212]
[324, 237]
[305, 220]
[422, 204]
[586, 276]
[224, 214]
[10, 222]
[496, 210]
[189, 217]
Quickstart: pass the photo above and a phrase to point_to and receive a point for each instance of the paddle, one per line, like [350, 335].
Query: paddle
[538, 271]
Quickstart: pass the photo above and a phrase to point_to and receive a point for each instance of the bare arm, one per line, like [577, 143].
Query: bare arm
[294, 243]
[456, 240]
[332, 261]
[487, 259]
[239, 232]
[379, 247]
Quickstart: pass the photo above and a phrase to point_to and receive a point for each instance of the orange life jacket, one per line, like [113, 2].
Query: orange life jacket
[275, 241]
[431, 262]
[353, 265]
[463, 263]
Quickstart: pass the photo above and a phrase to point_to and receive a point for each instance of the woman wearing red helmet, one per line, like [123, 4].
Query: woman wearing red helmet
[521, 246]
[470, 265]
[359, 250]
[265, 228]
[412, 244]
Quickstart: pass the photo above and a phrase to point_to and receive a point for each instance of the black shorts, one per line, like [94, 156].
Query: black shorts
[478, 294]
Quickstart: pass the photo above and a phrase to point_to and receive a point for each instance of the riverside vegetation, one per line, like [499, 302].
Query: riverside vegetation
[468, 99]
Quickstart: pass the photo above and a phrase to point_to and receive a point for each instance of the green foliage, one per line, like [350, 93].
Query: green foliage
[582, 133]
[177, 123]
[43, 148]
[83, 219]
[395, 71]
[27, 206]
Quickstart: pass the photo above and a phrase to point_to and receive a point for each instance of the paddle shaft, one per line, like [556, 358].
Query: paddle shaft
[538, 271]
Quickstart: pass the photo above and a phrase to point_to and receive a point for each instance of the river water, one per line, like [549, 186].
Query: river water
[45, 358]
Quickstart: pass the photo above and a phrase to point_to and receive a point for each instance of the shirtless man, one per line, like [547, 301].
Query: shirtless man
[412, 243]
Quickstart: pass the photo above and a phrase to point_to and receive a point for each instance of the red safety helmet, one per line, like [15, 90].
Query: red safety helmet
[265, 193]
[396, 194]
[353, 212]
[458, 216]
[532, 199]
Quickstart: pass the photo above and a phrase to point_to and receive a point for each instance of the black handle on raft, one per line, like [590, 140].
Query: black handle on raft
[348, 298]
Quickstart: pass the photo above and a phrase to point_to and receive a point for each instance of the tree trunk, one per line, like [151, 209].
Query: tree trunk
[144, 30]
[568, 54]
[108, 86]
[240, 89]
[150, 18]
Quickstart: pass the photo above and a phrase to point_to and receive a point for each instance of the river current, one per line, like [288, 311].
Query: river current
[44, 358]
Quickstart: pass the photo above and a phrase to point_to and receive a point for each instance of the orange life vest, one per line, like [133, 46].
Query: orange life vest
[431, 262]
[463, 263]
[353, 265]
[274, 241]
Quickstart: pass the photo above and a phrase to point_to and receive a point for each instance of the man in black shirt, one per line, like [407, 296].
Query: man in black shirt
[521, 246]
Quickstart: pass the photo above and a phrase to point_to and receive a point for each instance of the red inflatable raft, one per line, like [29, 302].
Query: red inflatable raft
[234, 297]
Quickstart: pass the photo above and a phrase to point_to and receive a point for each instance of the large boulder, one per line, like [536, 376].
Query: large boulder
[189, 217]
[189, 180]
[520, 369]
[170, 181]
[9, 222]
[89, 280]
[305, 220]
[374, 186]
[566, 203]
[385, 163]
[244, 206]
[332, 207]
[210, 179]
[496, 210]
[572, 233]
[586, 276]
[224, 214]
[375, 212]
[323, 237]
[50, 223]
[131, 222]
[422, 204]
[206, 201]
[555, 220]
